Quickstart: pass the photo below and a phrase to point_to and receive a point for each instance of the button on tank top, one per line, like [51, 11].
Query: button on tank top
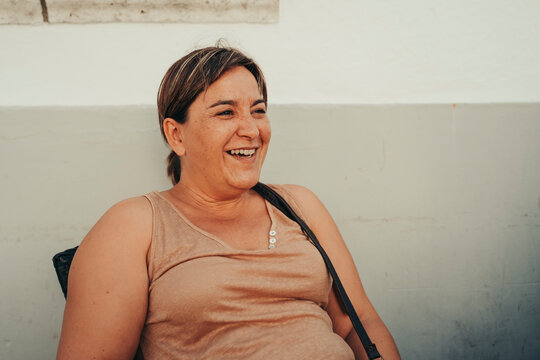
[208, 300]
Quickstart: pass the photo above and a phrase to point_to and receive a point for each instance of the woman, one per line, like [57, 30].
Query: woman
[208, 269]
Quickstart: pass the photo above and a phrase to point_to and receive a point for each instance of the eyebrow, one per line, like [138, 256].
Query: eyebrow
[232, 102]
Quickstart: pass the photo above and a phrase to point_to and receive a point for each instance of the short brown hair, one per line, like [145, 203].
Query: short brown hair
[190, 76]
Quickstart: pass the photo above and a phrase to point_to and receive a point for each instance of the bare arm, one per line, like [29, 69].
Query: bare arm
[108, 286]
[328, 234]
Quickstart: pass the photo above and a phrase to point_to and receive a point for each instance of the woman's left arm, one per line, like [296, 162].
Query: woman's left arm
[324, 227]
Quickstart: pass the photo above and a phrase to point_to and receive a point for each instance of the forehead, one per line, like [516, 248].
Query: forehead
[235, 84]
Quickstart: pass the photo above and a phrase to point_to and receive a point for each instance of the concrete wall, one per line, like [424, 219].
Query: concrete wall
[440, 206]
[417, 123]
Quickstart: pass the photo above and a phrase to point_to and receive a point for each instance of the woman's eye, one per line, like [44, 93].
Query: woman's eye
[226, 113]
[260, 111]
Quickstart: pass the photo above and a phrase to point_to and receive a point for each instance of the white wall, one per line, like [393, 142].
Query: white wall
[357, 52]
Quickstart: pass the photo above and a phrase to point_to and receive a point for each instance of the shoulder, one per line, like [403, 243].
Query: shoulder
[297, 192]
[310, 208]
[125, 227]
[300, 192]
[133, 215]
[136, 212]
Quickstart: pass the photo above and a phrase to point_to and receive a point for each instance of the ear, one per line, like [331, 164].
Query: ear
[173, 133]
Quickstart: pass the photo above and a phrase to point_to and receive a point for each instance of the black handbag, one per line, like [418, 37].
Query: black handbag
[62, 263]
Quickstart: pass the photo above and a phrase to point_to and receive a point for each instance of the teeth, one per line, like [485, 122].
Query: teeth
[242, 152]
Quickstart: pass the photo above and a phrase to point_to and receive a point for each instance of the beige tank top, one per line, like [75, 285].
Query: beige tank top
[208, 300]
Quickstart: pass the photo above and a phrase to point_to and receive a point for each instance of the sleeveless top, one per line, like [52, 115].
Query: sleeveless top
[208, 300]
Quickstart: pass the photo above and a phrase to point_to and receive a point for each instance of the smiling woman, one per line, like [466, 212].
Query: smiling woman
[224, 137]
[209, 269]
[193, 75]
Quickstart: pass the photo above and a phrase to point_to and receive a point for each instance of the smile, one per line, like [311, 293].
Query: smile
[242, 152]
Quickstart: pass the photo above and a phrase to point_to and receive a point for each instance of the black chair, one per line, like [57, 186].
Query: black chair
[62, 263]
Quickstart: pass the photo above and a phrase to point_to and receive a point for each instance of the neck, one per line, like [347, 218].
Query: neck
[221, 205]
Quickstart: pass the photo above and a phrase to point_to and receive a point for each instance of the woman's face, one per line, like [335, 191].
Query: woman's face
[226, 135]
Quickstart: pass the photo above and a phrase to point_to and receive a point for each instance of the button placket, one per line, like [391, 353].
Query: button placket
[272, 241]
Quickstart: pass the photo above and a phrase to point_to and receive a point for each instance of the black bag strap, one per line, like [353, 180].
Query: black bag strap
[277, 201]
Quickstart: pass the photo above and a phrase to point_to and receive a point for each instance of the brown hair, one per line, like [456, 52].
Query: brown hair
[190, 76]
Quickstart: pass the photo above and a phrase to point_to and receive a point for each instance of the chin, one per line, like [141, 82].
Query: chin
[245, 183]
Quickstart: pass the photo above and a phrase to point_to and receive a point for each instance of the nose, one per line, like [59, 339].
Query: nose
[247, 127]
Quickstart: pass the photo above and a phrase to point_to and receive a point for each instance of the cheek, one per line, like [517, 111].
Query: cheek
[213, 136]
[265, 131]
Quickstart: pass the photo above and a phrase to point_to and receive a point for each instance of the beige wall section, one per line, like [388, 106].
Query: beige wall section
[20, 12]
[440, 207]
[163, 11]
[141, 11]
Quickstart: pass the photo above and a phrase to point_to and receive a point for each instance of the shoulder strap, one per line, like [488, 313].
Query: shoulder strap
[276, 200]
